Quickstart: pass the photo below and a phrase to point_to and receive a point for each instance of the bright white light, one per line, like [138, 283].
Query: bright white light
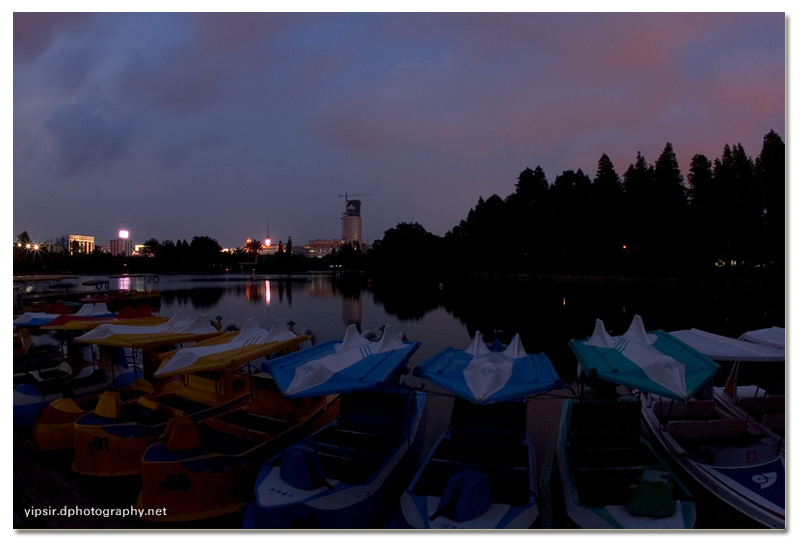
[123, 233]
[267, 242]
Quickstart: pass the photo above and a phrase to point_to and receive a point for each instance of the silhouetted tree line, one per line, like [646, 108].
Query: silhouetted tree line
[729, 215]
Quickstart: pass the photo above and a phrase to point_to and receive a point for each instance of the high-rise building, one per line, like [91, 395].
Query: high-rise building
[122, 247]
[321, 248]
[72, 244]
[351, 222]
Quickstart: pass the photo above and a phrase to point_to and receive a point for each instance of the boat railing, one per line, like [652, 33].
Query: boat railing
[700, 409]
[708, 431]
[358, 439]
[347, 465]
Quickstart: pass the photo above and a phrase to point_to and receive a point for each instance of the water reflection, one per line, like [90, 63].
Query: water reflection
[198, 298]
[548, 314]
[545, 314]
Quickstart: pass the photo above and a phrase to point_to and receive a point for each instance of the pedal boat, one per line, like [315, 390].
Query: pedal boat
[349, 474]
[31, 398]
[113, 445]
[131, 316]
[54, 428]
[756, 384]
[181, 328]
[144, 342]
[727, 455]
[611, 477]
[57, 311]
[207, 469]
[481, 472]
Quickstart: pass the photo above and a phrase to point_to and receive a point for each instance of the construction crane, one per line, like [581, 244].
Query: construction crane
[357, 195]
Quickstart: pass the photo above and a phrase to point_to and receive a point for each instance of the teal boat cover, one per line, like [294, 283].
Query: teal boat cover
[654, 362]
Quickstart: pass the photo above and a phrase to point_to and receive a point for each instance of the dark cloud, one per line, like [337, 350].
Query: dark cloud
[33, 32]
[255, 117]
[86, 139]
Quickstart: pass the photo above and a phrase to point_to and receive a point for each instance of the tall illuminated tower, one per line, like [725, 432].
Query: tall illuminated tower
[351, 222]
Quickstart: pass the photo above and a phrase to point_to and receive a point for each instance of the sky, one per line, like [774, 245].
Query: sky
[239, 125]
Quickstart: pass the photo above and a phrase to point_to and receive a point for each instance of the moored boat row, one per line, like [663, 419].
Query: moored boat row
[332, 436]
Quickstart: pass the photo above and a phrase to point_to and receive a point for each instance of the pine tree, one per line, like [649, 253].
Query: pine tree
[770, 171]
[638, 196]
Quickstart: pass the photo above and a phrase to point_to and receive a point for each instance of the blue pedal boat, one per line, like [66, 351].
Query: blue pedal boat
[481, 472]
[349, 474]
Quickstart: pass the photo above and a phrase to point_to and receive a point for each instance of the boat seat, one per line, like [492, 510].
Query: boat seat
[706, 429]
[685, 410]
[97, 377]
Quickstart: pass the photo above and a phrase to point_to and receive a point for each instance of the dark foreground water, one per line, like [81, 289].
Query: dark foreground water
[546, 312]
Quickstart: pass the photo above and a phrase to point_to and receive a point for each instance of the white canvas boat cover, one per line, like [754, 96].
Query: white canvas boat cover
[38, 318]
[353, 349]
[93, 309]
[771, 336]
[483, 376]
[488, 372]
[181, 322]
[250, 334]
[720, 348]
[42, 318]
[636, 345]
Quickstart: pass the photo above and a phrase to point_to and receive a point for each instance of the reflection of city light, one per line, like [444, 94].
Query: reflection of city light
[125, 283]
[268, 296]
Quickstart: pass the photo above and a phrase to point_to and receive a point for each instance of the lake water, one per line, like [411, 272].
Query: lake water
[438, 313]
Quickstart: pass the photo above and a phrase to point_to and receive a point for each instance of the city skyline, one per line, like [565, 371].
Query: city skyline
[175, 125]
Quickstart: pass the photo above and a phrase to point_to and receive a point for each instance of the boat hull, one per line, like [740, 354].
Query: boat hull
[503, 461]
[601, 466]
[29, 401]
[54, 429]
[747, 471]
[108, 447]
[365, 481]
[202, 483]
